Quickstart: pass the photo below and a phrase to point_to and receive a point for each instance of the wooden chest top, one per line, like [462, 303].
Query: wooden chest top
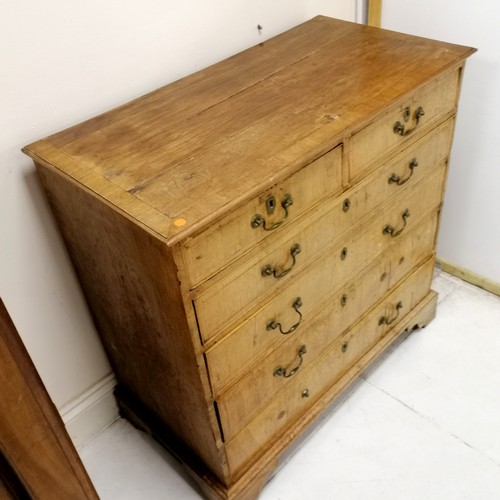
[188, 153]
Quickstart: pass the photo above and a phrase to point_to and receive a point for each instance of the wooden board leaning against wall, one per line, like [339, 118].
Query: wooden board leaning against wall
[37, 457]
[374, 13]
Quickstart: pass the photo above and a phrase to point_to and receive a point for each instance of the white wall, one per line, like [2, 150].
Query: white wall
[470, 228]
[61, 62]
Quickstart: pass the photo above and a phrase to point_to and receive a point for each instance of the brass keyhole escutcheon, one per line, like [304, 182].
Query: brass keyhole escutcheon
[343, 253]
[270, 205]
[345, 345]
[258, 221]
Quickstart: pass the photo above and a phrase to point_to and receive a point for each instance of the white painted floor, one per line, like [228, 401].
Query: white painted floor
[423, 424]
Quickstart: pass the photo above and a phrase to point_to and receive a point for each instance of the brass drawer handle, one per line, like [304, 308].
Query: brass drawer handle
[399, 128]
[397, 179]
[272, 325]
[281, 372]
[388, 229]
[384, 320]
[269, 270]
[258, 220]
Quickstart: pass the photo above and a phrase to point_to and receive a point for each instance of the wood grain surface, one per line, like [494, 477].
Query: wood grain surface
[33, 439]
[156, 202]
[195, 149]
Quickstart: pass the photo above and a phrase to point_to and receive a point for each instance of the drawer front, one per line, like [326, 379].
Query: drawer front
[264, 216]
[402, 123]
[308, 385]
[222, 306]
[245, 398]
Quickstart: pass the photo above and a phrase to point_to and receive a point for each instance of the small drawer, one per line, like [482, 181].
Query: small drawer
[309, 383]
[264, 216]
[220, 307]
[241, 353]
[403, 122]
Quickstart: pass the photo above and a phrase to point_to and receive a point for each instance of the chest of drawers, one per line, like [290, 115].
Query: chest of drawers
[251, 237]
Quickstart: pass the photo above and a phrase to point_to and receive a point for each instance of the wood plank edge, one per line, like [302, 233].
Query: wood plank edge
[107, 192]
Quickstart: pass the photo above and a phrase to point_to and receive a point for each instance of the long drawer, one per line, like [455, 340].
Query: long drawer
[252, 340]
[224, 305]
[308, 384]
[402, 123]
[262, 217]
[247, 396]
[221, 307]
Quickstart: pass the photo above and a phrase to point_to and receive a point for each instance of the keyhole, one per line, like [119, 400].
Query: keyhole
[270, 204]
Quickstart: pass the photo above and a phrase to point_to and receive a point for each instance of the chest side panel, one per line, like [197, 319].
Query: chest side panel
[130, 282]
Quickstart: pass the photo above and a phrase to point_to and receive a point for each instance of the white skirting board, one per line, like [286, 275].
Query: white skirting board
[88, 415]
